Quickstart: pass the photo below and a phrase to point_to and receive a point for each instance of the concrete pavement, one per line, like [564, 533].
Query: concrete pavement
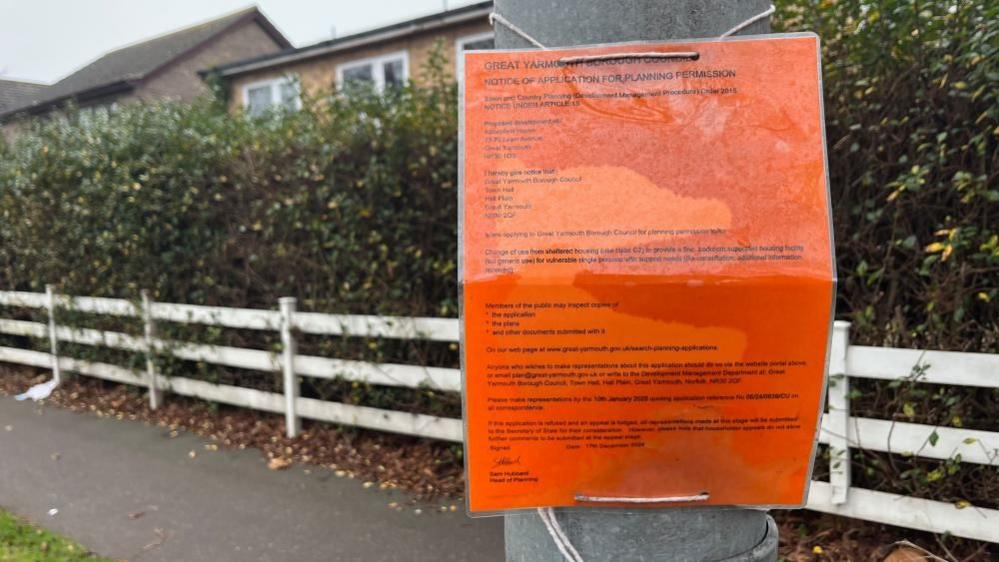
[128, 491]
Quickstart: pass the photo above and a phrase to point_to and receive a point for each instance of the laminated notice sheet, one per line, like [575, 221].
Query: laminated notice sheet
[647, 273]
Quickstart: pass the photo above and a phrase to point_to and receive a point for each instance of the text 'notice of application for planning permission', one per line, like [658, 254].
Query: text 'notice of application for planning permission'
[647, 274]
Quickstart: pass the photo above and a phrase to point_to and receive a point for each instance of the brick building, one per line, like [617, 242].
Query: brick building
[15, 93]
[382, 57]
[163, 67]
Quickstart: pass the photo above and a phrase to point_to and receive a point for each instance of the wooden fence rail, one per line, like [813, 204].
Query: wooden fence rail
[839, 430]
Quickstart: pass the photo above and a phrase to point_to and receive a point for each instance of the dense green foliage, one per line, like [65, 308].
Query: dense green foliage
[912, 120]
[348, 204]
[912, 125]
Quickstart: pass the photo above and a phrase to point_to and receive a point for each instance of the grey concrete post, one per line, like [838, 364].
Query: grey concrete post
[678, 534]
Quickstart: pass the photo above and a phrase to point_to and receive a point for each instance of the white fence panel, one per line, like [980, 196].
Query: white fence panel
[41, 359]
[104, 371]
[430, 329]
[838, 428]
[22, 299]
[87, 336]
[903, 511]
[238, 357]
[942, 367]
[386, 374]
[911, 439]
[99, 305]
[25, 357]
[447, 429]
[23, 328]
[225, 394]
[243, 318]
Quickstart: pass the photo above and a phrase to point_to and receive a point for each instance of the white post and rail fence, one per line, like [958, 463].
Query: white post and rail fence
[839, 430]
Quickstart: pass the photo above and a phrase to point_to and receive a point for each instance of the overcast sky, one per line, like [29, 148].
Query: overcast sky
[44, 40]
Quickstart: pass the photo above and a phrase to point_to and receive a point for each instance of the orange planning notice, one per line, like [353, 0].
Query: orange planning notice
[647, 274]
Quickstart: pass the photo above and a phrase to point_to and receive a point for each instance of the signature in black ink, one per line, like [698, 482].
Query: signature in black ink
[505, 461]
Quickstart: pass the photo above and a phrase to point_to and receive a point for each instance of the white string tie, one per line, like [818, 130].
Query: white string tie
[764, 14]
[496, 17]
[703, 496]
[562, 541]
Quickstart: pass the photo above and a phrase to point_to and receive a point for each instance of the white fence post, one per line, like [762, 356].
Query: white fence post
[53, 337]
[839, 415]
[293, 423]
[149, 332]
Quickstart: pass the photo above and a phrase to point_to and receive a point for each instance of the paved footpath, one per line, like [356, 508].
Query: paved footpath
[128, 491]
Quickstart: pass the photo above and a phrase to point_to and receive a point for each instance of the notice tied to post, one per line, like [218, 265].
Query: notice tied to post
[647, 274]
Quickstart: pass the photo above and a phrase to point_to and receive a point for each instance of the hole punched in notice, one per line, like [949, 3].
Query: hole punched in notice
[650, 56]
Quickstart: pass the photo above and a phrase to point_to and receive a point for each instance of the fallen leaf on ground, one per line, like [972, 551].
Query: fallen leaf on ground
[910, 552]
[161, 537]
[278, 463]
[905, 555]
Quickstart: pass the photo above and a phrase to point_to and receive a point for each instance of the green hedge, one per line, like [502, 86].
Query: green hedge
[912, 122]
[349, 204]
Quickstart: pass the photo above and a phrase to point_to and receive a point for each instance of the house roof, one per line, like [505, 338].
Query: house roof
[121, 69]
[402, 29]
[14, 93]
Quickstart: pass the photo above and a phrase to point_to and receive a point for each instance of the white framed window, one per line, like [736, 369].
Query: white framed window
[383, 71]
[260, 97]
[478, 42]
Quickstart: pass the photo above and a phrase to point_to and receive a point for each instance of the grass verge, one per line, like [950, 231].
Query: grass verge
[21, 541]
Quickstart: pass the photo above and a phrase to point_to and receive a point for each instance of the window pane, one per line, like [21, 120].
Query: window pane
[289, 95]
[479, 44]
[258, 99]
[393, 73]
[358, 75]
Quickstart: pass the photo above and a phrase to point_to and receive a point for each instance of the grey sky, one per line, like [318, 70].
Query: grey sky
[44, 40]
